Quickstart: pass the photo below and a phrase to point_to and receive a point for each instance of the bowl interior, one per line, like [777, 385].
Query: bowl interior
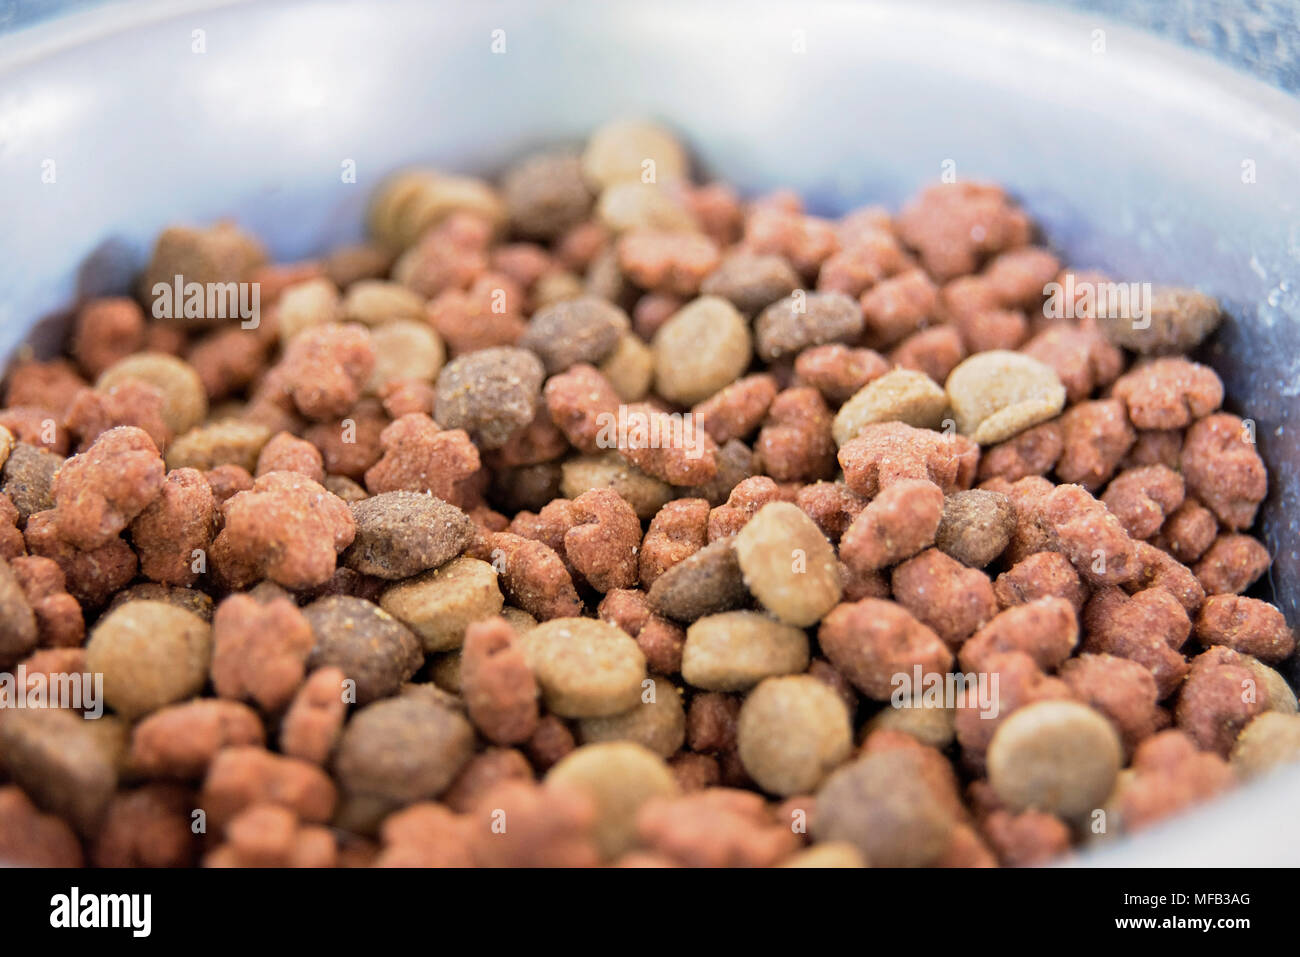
[1146, 161]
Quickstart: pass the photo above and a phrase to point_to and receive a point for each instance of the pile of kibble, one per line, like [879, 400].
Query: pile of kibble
[371, 579]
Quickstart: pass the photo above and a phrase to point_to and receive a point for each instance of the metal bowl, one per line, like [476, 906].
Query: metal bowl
[1145, 160]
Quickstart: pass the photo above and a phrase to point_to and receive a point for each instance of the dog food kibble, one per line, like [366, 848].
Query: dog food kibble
[490, 393]
[585, 668]
[976, 526]
[903, 395]
[735, 650]
[1054, 756]
[883, 805]
[596, 516]
[1178, 320]
[440, 604]
[658, 723]
[1270, 740]
[996, 395]
[372, 648]
[286, 529]
[400, 534]
[150, 654]
[619, 777]
[794, 323]
[404, 749]
[791, 732]
[788, 564]
[704, 347]
[185, 402]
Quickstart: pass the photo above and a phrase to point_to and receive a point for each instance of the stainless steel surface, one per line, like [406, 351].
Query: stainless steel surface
[1131, 159]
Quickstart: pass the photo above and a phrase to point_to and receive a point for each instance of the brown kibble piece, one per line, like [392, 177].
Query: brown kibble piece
[400, 534]
[370, 646]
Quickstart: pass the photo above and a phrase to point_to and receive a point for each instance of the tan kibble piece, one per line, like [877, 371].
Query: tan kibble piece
[1276, 692]
[6, 445]
[903, 395]
[185, 402]
[619, 777]
[519, 619]
[445, 671]
[632, 150]
[703, 348]
[630, 368]
[827, 854]
[658, 723]
[1270, 740]
[305, 305]
[405, 349]
[930, 724]
[635, 205]
[1056, 756]
[735, 650]
[440, 604]
[151, 654]
[206, 447]
[791, 732]
[412, 201]
[788, 564]
[644, 493]
[586, 668]
[998, 394]
[377, 301]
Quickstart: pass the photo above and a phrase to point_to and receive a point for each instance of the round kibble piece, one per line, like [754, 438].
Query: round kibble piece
[365, 642]
[1271, 739]
[405, 349]
[1056, 756]
[998, 394]
[586, 329]
[799, 321]
[440, 604]
[657, 723]
[586, 668]
[620, 150]
[545, 194]
[883, 806]
[791, 732]
[703, 348]
[409, 748]
[735, 650]
[151, 654]
[619, 777]
[903, 395]
[490, 393]
[788, 564]
[400, 534]
[185, 402]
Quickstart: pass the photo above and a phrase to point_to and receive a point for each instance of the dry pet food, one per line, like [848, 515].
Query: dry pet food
[597, 516]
